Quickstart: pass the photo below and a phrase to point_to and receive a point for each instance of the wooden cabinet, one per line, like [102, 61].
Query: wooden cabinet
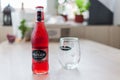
[4, 31]
[109, 35]
[97, 33]
[77, 32]
[105, 34]
[114, 36]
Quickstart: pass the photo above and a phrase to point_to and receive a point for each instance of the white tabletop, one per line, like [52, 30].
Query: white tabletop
[98, 62]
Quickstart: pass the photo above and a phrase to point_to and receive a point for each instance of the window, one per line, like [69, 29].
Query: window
[27, 3]
[67, 7]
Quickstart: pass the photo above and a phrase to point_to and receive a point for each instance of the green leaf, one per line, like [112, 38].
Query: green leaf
[82, 5]
[23, 28]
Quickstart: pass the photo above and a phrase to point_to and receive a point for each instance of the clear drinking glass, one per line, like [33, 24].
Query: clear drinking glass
[69, 54]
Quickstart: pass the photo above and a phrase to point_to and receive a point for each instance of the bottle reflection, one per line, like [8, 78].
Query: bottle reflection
[40, 77]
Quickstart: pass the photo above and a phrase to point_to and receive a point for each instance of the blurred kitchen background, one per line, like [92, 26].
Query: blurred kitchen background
[99, 19]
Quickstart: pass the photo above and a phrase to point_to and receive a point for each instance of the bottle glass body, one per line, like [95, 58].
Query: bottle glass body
[39, 41]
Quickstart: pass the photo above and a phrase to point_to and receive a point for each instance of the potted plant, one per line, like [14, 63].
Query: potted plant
[23, 28]
[82, 6]
[62, 9]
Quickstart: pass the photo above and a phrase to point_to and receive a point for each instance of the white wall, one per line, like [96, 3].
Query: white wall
[0, 14]
[0, 5]
[1, 18]
[109, 4]
[51, 7]
[117, 13]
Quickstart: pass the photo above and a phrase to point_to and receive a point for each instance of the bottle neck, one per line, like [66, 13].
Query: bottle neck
[39, 15]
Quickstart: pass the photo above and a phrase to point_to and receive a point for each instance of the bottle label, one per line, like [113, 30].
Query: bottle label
[38, 55]
[39, 16]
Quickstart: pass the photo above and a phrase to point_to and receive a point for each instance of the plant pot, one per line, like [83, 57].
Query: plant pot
[79, 18]
[11, 38]
[65, 17]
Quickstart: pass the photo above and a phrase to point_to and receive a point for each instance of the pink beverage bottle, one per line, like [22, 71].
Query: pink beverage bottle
[39, 40]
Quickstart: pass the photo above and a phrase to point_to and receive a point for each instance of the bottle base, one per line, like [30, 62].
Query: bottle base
[40, 73]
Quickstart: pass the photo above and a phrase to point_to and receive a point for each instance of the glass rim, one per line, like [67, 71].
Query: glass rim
[69, 38]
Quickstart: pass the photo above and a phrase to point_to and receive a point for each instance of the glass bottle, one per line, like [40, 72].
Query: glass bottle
[39, 40]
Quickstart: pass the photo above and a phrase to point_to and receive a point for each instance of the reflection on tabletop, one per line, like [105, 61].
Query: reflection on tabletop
[61, 74]
[40, 77]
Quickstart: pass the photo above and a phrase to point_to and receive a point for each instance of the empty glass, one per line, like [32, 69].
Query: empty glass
[69, 54]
